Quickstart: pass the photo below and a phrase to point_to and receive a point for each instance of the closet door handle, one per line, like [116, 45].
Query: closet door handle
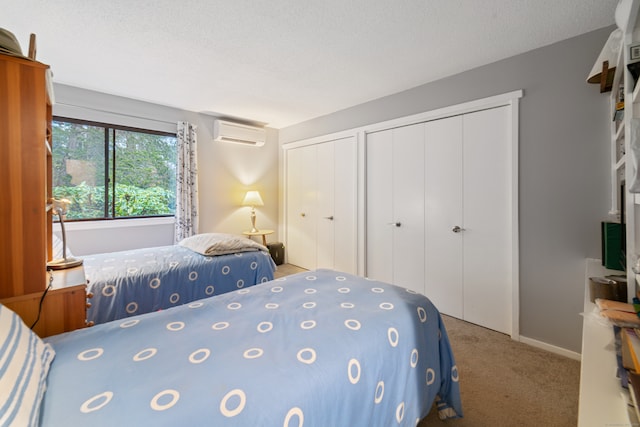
[330, 218]
[457, 229]
[397, 224]
[303, 214]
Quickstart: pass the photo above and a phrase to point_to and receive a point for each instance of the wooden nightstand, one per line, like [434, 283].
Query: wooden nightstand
[262, 233]
[64, 307]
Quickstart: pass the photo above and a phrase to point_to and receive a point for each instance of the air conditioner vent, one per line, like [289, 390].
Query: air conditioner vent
[238, 133]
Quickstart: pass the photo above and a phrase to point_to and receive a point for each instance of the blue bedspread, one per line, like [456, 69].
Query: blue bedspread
[140, 281]
[320, 348]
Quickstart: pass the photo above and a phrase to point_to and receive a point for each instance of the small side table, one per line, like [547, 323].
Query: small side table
[262, 233]
[63, 309]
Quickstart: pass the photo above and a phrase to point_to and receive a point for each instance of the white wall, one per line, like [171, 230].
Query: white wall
[226, 172]
[563, 168]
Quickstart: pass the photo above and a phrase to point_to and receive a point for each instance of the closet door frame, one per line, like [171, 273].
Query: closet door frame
[511, 100]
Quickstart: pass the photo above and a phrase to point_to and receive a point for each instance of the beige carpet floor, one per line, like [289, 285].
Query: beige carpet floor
[507, 383]
[286, 270]
[504, 383]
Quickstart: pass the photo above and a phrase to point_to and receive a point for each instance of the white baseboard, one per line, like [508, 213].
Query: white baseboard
[551, 348]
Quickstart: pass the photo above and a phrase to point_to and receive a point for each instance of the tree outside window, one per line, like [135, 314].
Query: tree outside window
[110, 172]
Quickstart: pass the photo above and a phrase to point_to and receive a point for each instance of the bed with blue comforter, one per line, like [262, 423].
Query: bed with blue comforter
[318, 348]
[140, 281]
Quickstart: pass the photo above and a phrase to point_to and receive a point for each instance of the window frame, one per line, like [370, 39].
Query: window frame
[110, 186]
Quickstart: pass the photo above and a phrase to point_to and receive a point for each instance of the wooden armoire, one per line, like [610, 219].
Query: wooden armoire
[25, 212]
[25, 176]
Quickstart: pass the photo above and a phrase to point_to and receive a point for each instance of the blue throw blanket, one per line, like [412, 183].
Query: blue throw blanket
[140, 281]
[315, 349]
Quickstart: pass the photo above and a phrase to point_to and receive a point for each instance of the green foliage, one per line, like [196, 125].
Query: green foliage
[77, 142]
[145, 160]
[134, 201]
[88, 202]
[88, 156]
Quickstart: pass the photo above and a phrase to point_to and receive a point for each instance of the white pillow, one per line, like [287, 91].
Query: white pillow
[212, 244]
[24, 365]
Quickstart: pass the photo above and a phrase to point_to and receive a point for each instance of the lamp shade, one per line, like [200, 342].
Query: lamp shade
[610, 53]
[252, 198]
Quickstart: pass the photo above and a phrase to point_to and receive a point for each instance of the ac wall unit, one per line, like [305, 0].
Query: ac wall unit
[237, 133]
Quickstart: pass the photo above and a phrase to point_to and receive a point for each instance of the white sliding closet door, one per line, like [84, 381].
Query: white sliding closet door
[440, 214]
[325, 205]
[301, 207]
[336, 205]
[443, 211]
[345, 206]
[322, 205]
[408, 205]
[395, 206]
[487, 218]
[380, 206]
[468, 227]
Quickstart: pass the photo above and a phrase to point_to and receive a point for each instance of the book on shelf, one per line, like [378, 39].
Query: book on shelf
[618, 114]
[634, 389]
[628, 357]
[630, 340]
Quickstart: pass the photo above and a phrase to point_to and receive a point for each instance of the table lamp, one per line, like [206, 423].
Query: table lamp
[253, 199]
[60, 207]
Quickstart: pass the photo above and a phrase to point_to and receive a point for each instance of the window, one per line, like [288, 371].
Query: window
[109, 171]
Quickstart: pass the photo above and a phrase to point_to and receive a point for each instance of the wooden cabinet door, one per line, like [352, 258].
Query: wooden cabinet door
[23, 173]
[62, 310]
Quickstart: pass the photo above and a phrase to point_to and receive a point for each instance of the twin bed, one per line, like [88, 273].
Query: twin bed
[139, 281]
[318, 348]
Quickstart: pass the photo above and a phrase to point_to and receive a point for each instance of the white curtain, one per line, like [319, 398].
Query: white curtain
[186, 183]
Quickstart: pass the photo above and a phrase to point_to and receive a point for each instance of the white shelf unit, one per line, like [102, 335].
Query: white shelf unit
[618, 147]
[603, 401]
[631, 38]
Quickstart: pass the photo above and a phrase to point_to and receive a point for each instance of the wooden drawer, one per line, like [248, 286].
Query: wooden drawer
[63, 310]
[64, 306]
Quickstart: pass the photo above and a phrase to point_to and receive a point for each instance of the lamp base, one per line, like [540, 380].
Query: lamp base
[64, 263]
[253, 221]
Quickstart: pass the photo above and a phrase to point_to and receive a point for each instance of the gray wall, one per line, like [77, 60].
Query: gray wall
[564, 168]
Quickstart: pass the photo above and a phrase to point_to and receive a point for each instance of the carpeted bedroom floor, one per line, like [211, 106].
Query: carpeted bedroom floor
[508, 383]
[504, 383]
[286, 270]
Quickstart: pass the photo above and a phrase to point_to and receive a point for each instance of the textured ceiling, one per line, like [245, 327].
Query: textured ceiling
[281, 62]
